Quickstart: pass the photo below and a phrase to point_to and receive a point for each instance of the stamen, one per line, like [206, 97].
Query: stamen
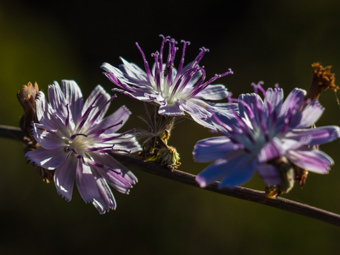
[157, 70]
[199, 56]
[165, 39]
[181, 63]
[172, 51]
[229, 130]
[249, 111]
[186, 76]
[258, 86]
[146, 64]
[217, 76]
[73, 150]
[226, 127]
[262, 118]
[197, 87]
[75, 135]
[171, 58]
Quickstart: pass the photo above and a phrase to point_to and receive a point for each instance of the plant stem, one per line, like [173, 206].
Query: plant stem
[189, 179]
[11, 132]
[238, 192]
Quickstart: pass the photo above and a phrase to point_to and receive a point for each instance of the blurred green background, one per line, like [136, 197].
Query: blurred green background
[273, 41]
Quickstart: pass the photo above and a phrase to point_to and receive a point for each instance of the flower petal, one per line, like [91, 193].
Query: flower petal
[293, 101]
[213, 92]
[116, 174]
[308, 116]
[319, 135]
[271, 150]
[111, 123]
[251, 108]
[47, 140]
[311, 160]
[242, 170]
[94, 189]
[46, 115]
[221, 168]
[213, 148]
[57, 99]
[134, 72]
[275, 98]
[106, 201]
[171, 110]
[269, 174]
[74, 98]
[64, 177]
[98, 100]
[197, 108]
[49, 159]
[41, 106]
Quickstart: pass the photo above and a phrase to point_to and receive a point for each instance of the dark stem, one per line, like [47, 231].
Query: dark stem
[11, 132]
[187, 178]
[238, 192]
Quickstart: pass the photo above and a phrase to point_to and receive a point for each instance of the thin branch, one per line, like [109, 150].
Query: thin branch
[187, 178]
[238, 192]
[11, 132]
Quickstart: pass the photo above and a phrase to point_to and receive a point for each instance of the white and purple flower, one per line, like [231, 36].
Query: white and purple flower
[76, 140]
[176, 91]
[261, 132]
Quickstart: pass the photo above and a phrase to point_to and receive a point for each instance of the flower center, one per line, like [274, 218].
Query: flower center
[80, 143]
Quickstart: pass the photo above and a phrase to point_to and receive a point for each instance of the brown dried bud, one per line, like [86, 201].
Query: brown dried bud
[27, 96]
[323, 79]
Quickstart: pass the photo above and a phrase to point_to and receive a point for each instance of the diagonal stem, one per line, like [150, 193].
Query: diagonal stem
[238, 192]
[189, 179]
[11, 132]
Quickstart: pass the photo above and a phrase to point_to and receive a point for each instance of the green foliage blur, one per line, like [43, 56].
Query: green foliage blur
[272, 41]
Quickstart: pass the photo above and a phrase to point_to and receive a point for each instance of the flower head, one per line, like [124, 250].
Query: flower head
[270, 135]
[176, 91]
[76, 140]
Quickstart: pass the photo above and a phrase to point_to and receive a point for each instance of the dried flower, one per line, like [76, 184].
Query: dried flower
[155, 141]
[27, 96]
[271, 136]
[176, 91]
[323, 79]
[76, 141]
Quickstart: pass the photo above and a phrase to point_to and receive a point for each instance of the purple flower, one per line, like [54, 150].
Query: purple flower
[264, 135]
[76, 140]
[176, 91]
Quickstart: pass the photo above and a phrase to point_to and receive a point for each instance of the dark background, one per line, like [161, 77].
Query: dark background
[272, 41]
